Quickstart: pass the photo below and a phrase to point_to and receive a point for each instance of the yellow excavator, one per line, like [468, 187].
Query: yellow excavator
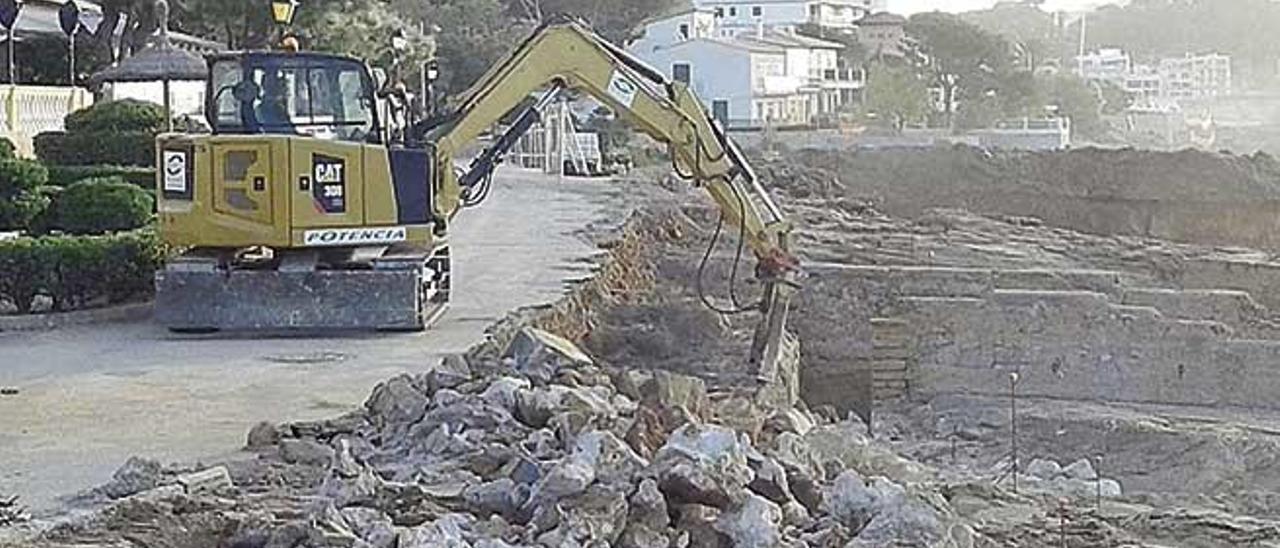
[309, 208]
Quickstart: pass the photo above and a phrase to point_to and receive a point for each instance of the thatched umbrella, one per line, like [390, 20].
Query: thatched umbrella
[159, 61]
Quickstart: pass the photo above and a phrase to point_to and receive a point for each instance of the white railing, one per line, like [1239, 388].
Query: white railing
[32, 110]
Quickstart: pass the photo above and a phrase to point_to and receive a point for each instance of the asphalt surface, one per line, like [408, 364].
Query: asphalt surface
[91, 397]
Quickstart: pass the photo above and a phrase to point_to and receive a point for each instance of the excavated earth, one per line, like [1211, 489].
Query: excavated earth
[625, 414]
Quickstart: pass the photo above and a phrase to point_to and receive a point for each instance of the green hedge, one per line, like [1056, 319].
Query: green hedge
[99, 206]
[128, 115]
[7, 150]
[144, 177]
[125, 148]
[78, 271]
[20, 198]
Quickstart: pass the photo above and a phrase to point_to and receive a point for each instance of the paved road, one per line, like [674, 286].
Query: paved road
[91, 397]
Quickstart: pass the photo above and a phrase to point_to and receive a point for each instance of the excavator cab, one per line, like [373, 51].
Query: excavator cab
[310, 94]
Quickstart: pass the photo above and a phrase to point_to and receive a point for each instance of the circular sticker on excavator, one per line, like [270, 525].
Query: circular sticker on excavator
[622, 89]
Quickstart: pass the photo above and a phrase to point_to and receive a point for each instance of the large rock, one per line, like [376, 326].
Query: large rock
[596, 456]
[397, 401]
[305, 452]
[447, 532]
[502, 497]
[539, 355]
[371, 526]
[704, 465]
[850, 501]
[1081, 470]
[770, 480]
[595, 518]
[648, 522]
[502, 392]
[754, 524]
[899, 518]
[452, 371]
[536, 407]
[1044, 469]
[670, 390]
[137, 475]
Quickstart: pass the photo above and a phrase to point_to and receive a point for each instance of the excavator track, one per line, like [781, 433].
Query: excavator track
[399, 292]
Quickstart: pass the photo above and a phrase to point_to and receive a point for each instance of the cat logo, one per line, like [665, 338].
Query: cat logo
[329, 172]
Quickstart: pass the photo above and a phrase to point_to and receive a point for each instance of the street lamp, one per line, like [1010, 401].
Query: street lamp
[69, 20]
[9, 10]
[283, 11]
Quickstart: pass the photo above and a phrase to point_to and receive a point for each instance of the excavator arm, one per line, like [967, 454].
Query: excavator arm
[567, 55]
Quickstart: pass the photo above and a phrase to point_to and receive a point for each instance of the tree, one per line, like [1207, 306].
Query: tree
[963, 60]
[614, 19]
[472, 36]
[896, 95]
[1077, 99]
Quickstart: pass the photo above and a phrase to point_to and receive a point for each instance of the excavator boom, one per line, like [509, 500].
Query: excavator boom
[567, 55]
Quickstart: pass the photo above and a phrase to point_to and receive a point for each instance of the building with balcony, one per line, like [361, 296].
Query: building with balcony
[1195, 76]
[745, 15]
[1108, 64]
[749, 79]
[883, 34]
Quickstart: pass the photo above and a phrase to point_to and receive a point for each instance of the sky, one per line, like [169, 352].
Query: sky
[914, 6]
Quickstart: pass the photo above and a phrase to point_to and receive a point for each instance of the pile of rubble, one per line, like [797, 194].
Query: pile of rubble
[541, 448]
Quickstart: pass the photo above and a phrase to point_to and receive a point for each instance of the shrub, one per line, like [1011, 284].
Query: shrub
[128, 115]
[127, 148]
[20, 199]
[61, 175]
[7, 150]
[78, 271]
[99, 206]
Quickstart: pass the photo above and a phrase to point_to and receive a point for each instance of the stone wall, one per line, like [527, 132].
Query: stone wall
[1083, 335]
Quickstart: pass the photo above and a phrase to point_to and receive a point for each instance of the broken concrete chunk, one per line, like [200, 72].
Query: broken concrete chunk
[1081, 470]
[262, 436]
[770, 480]
[1044, 469]
[210, 481]
[666, 389]
[306, 452]
[137, 475]
[397, 401]
[452, 371]
[371, 526]
[447, 532]
[703, 464]
[502, 392]
[538, 354]
[595, 518]
[754, 524]
[502, 497]
[850, 501]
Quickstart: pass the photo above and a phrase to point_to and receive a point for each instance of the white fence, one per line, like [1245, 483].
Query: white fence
[31, 110]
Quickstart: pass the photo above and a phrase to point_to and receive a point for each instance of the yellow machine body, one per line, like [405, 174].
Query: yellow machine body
[286, 192]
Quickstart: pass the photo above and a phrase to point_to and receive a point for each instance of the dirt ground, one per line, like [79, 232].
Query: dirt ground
[429, 459]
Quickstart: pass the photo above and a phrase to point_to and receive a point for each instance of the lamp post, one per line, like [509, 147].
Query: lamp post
[430, 73]
[9, 10]
[282, 13]
[69, 20]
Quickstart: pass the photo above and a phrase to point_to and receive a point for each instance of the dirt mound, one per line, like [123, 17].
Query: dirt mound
[1189, 196]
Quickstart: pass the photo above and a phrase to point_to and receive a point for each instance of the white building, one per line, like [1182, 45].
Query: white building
[1111, 65]
[748, 79]
[1144, 84]
[1196, 76]
[738, 15]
